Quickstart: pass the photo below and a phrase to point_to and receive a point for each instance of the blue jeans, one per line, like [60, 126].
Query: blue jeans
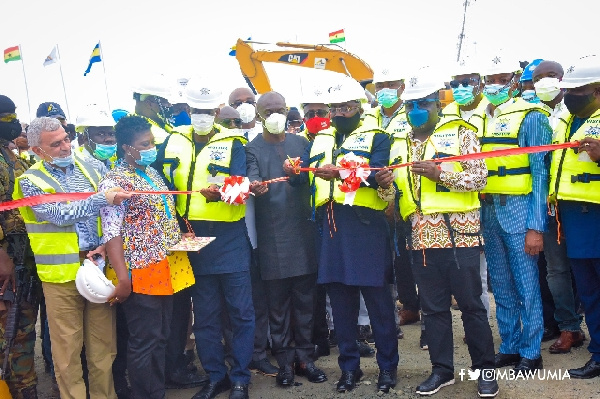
[587, 278]
[211, 295]
[559, 280]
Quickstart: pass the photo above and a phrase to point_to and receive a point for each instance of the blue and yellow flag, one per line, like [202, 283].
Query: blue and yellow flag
[95, 57]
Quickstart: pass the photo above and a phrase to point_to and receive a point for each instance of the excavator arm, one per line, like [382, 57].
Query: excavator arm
[304, 55]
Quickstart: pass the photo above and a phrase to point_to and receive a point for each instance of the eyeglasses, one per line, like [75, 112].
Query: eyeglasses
[237, 103]
[8, 117]
[295, 122]
[237, 122]
[418, 103]
[343, 110]
[321, 113]
[465, 82]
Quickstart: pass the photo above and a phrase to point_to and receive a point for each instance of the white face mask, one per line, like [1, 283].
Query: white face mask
[202, 123]
[247, 112]
[275, 123]
[547, 88]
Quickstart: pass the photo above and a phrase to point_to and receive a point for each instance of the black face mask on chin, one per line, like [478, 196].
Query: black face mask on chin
[344, 124]
[10, 130]
[576, 103]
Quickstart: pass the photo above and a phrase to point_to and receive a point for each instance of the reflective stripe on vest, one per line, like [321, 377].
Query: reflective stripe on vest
[575, 177]
[398, 125]
[324, 152]
[511, 174]
[188, 172]
[433, 197]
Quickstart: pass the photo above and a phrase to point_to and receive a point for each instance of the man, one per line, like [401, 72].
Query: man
[180, 111]
[574, 179]
[197, 161]
[445, 262]
[546, 79]
[294, 123]
[22, 379]
[51, 110]
[526, 82]
[99, 145]
[244, 102]
[355, 253]
[514, 216]
[229, 118]
[286, 244]
[62, 234]
[151, 101]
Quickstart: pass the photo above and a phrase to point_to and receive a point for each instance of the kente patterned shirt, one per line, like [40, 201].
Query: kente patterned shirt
[430, 231]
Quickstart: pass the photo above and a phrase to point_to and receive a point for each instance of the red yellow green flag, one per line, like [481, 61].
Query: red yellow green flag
[12, 54]
[337, 36]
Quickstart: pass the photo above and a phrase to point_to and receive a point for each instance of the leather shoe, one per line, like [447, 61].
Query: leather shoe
[239, 391]
[487, 388]
[212, 389]
[365, 333]
[311, 372]
[503, 360]
[529, 364]
[550, 333]
[408, 317]
[566, 341]
[285, 376]
[434, 383]
[264, 366]
[348, 380]
[364, 349]
[387, 380]
[183, 378]
[590, 370]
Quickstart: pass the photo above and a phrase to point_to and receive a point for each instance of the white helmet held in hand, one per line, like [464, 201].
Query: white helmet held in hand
[92, 284]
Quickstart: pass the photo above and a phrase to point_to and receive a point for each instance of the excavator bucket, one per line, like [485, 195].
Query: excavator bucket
[4, 392]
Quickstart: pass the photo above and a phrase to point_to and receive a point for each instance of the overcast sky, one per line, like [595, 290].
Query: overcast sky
[184, 38]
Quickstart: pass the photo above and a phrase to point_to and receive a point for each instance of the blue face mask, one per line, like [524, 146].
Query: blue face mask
[417, 117]
[463, 95]
[387, 97]
[103, 151]
[63, 162]
[530, 96]
[181, 119]
[147, 157]
[496, 93]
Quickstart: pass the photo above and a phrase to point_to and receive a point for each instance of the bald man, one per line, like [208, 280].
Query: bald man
[244, 101]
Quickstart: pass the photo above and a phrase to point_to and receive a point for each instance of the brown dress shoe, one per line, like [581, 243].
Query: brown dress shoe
[408, 317]
[566, 341]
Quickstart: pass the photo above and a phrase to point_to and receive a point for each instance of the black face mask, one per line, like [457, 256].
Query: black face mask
[344, 124]
[10, 130]
[576, 103]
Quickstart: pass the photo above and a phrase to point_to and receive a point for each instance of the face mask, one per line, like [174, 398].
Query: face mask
[103, 151]
[275, 123]
[146, 156]
[496, 93]
[316, 124]
[63, 162]
[247, 112]
[181, 119]
[202, 123]
[463, 95]
[417, 117]
[344, 124]
[530, 97]
[10, 130]
[547, 88]
[576, 103]
[515, 93]
[387, 97]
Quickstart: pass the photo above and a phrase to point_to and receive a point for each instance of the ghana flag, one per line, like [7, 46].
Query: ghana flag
[12, 54]
[337, 36]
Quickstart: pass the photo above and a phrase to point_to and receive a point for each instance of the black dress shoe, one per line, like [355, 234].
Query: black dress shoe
[529, 364]
[434, 383]
[348, 380]
[183, 378]
[264, 366]
[364, 349]
[387, 379]
[487, 388]
[285, 376]
[503, 360]
[550, 333]
[590, 370]
[239, 391]
[212, 389]
[311, 372]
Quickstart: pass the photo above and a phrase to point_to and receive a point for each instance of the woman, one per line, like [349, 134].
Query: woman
[138, 234]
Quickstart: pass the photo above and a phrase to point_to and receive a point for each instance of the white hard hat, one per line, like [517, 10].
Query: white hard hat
[345, 89]
[155, 84]
[202, 94]
[92, 284]
[422, 83]
[315, 95]
[499, 64]
[583, 72]
[465, 67]
[178, 91]
[387, 74]
[93, 115]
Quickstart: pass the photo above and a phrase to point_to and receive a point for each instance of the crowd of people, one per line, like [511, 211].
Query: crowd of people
[306, 263]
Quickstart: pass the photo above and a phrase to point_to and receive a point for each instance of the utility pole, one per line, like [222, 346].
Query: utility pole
[462, 31]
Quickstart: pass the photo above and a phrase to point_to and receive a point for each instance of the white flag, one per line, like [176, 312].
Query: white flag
[52, 58]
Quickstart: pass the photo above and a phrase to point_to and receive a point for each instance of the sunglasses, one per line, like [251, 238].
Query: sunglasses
[321, 113]
[464, 82]
[237, 122]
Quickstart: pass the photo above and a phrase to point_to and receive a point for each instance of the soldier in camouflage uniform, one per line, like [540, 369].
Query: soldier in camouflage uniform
[22, 380]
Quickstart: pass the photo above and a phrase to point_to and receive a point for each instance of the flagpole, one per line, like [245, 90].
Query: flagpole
[25, 79]
[104, 70]
[63, 80]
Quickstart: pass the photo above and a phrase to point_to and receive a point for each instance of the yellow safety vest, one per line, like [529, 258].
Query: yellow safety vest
[433, 197]
[324, 152]
[160, 133]
[510, 174]
[478, 119]
[56, 248]
[188, 172]
[571, 177]
[398, 126]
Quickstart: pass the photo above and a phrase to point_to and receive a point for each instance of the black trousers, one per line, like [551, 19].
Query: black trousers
[291, 307]
[437, 281]
[405, 282]
[548, 306]
[320, 328]
[119, 367]
[182, 304]
[261, 310]
[148, 321]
